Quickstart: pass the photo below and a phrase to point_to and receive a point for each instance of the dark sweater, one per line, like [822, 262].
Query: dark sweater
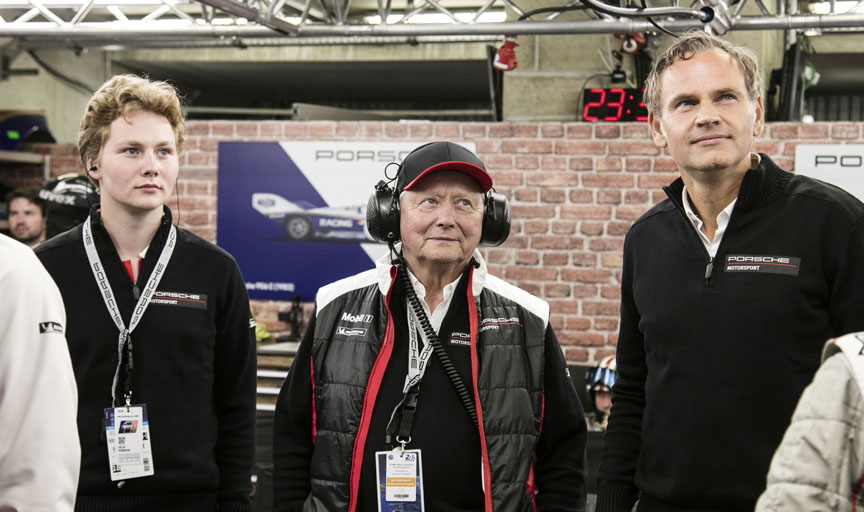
[194, 368]
[714, 354]
[451, 468]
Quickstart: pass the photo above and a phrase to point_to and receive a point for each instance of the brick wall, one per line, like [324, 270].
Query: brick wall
[574, 188]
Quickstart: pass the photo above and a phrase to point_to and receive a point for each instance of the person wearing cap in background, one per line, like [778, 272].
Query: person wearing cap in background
[26, 216]
[599, 381]
[426, 383]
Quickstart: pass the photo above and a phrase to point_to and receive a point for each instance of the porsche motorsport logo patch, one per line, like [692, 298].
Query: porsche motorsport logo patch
[762, 264]
[180, 299]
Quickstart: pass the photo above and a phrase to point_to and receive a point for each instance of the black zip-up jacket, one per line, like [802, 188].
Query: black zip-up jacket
[348, 375]
[713, 354]
[194, 367]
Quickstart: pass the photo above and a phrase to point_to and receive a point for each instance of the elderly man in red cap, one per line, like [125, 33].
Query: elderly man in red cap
[427, 384]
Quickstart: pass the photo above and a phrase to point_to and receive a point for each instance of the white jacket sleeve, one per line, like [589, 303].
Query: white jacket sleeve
[821, 457]
[39, 450]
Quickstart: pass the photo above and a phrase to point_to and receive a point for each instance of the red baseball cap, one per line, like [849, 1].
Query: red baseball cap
[441, 156]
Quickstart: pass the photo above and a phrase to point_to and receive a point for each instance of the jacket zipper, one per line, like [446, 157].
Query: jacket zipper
[709, 265]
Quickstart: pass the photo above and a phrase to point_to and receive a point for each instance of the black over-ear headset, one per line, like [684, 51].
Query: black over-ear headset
[382, 216]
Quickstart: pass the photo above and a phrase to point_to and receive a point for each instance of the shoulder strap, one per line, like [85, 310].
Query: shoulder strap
[852, 347]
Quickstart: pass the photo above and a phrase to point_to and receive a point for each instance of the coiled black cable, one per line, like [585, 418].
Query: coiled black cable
[464, 396]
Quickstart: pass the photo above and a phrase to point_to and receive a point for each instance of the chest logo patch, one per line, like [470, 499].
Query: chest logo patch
[497, 323]
[460, 338]
[350, 331]
[762, 264]
[180, 299]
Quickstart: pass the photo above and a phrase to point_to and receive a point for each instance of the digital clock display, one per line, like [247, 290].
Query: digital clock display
[613, 105]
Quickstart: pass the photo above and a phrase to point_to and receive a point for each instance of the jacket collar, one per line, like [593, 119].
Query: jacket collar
[103, 240]
[759, 187]
[385, 272]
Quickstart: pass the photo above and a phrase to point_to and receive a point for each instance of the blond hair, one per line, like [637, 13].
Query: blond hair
[118, 97]
[688, 45]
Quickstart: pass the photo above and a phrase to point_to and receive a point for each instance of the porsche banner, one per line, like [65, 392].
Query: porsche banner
[293, 214]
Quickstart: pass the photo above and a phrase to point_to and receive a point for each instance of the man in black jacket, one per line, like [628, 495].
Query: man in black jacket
[498, 425]
[729, 289]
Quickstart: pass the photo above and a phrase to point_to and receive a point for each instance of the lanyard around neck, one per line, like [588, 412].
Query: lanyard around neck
[417, 360]
[124, 341]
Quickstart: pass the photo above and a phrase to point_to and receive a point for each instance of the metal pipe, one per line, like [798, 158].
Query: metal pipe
[131, 31]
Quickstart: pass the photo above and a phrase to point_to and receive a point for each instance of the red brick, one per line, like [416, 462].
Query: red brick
[591, 228]
[637, 131]
[208, 144]
[578, 323]
[606, 244]
[613, 259]
[578, 275]
[617, 228]
[784, 131]
[587, 339]
[197, 128]
[606, 324]
[531, 273]
[196, 218]
[197, 188]
[575, 147]
[295, 129]
[610, 292]
[420, 131]
[527, 258]
[487, 146]
[527, 163]
[247, 128]
[604, 308]
[785, 163]
[769, 147]
[526, 146]
[347, 129]
[556, 290]
[608, 196]
[635, 197]
[628, 212]
[579, 131]
[576, 355]
[532, 288]
[585, 291]
[446, 130]
[553, 259]
[581, 196]
[553, 195]
[556, 242]
[499, 256]
[395, 130]
[563, 227]
[607, 131]
[564, 306]
[222, 129]
[637, 164]
[532, 212]
[198, 158]
[474, 130]
[586, 212]
[499, 130]
[525, 130]
[534, 227]
[845, 131]
[525, 194]
[553, 163]
[659, 195]
[553, 179]
[665, 165]
[581, 164]
[321, 128]
[556, 322]
[502, 162]
[633, 148]
[607, 180]
[608, 164]
[651, 181]
[815, 131]
[551, 130]
[271, 129]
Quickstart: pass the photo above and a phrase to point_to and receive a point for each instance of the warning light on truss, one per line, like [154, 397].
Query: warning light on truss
[505, 58]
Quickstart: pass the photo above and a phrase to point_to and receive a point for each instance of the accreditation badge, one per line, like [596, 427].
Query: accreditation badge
[128, 435]
[400, 480]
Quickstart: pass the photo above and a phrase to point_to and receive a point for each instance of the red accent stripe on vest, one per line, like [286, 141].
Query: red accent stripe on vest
[484, 453]
[372, 386]
[530, 482]
[856, 491]
[314, 415]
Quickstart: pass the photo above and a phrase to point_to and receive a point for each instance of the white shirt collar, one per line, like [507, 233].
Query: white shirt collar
[722, 222]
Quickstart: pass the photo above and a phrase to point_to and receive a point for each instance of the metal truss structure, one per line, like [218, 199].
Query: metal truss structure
[217, 23]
